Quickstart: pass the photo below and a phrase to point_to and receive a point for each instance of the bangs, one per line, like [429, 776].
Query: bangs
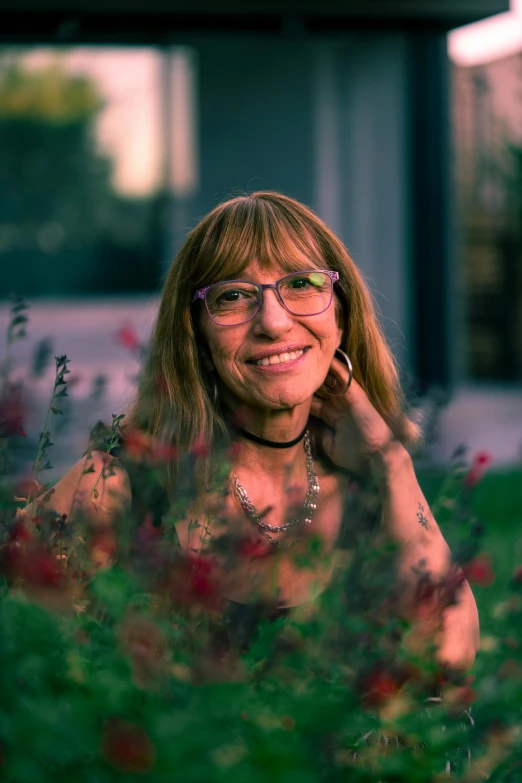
[256, 229]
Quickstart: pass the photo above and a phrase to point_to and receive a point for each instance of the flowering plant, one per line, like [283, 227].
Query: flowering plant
[130, 671]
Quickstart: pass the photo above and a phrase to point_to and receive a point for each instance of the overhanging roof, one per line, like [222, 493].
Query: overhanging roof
[158, 21]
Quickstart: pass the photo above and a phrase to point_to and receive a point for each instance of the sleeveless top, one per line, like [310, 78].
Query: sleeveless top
[150, 503]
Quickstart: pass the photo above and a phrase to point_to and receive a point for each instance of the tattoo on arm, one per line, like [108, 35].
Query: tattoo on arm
[421, 516]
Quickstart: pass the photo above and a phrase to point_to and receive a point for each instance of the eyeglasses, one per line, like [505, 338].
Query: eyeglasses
[234, 302]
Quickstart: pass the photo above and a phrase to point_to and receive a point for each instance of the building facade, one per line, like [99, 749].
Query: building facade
[344, 106]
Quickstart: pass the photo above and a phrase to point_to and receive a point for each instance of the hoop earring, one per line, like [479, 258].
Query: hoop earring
[343, 357]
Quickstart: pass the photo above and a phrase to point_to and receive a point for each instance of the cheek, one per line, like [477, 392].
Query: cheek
[222, 353]
[329, 332]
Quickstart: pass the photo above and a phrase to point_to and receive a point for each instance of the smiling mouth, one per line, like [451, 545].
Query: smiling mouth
[280, 358]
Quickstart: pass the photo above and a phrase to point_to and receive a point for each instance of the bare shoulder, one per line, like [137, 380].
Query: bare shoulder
[97, 488]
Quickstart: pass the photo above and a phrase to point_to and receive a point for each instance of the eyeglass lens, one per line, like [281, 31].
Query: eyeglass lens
[234, 302]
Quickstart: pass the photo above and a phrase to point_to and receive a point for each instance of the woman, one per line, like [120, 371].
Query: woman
[262, 318]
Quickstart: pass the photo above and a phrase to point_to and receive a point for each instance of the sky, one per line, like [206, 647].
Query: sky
[129, 128]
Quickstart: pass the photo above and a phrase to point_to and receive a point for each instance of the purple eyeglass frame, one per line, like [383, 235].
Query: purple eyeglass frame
[201, 293]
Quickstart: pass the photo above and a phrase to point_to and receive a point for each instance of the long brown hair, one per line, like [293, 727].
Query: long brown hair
[174, 400]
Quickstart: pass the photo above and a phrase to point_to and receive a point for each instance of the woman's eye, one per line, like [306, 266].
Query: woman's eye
[300, 282]
[230, 296]
[235, 295]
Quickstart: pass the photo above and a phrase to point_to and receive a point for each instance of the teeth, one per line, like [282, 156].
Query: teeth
[280, 358]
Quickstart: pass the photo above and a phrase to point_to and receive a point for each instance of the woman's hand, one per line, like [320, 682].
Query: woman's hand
[355, 432]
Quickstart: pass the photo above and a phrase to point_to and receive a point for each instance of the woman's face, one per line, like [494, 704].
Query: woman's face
[234, 350]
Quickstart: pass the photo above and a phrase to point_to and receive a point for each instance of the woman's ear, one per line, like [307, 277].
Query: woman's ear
[339, 337]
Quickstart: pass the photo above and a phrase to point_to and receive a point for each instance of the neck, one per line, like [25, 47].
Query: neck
[271, 426]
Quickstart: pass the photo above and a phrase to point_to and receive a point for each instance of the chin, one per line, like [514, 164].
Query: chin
[291, 400]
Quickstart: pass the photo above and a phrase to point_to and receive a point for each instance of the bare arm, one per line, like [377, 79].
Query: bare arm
[409, 522]
[98, 497]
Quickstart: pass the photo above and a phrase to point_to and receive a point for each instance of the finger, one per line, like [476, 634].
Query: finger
[322, 409]
[321, 393]
[327, 439]
[316, 408]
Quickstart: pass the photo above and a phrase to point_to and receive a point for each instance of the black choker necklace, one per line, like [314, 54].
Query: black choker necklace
[274, 444]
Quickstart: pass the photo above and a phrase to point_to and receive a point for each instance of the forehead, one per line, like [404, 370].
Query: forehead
[270, 272]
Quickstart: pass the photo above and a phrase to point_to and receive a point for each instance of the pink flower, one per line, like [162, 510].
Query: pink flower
[127, 336]
[479, 466]
[479, 571]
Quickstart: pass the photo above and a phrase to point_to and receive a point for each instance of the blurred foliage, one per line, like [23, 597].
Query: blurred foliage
[50, 94]
[62, 227]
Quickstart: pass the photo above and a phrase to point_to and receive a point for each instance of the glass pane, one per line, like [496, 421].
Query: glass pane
[488, 172]
[87, 183]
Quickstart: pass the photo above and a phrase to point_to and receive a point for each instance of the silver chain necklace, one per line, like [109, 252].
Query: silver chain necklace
[309, 506]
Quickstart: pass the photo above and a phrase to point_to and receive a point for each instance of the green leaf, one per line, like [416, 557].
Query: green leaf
[114, 590]
[61, 393]
[19, 319]
[56, 411]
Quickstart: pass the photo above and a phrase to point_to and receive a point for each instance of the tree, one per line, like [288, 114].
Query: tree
[58, 211]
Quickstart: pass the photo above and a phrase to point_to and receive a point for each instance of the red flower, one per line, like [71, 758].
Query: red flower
[141, 446]
[12, 411]
[136, 443]
[200, 448]
[19, 531]
[127, 336]
[127, 747]
[40, 569]
[479, 571]
[249, 547]
[195, 581]
[379, 686]
[517, 576]
[479, 466]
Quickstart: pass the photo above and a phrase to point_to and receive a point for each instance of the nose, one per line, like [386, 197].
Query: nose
[272, 318]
